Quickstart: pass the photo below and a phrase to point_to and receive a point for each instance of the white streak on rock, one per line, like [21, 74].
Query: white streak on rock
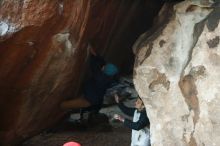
[3, 28]
[6, 28]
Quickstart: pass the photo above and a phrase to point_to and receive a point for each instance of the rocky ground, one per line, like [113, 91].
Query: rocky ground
[115, 137]
[101, 132]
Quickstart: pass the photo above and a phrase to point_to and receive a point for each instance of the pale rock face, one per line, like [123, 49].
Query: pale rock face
[177, 76]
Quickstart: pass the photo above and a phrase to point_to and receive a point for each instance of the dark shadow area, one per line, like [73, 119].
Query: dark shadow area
[127, 27]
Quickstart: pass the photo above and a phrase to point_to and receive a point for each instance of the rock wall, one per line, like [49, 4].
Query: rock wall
[40, 59]
[43, 50]
[177, 74]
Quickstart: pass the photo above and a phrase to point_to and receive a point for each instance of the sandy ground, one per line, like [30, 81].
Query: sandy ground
[98, 133]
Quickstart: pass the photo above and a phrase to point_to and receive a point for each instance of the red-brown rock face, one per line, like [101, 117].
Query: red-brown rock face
[43, 49]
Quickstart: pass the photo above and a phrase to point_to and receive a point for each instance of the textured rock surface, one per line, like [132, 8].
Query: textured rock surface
[43, 49]
[38, 57]
[177, 75]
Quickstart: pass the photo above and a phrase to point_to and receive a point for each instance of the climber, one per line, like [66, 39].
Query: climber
[139, 125]
[103, 75]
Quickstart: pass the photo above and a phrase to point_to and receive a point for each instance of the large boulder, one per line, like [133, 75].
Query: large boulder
[177, 72]
[39, 61]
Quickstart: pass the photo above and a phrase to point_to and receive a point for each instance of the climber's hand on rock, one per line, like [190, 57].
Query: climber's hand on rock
[92, 51]
[118, 117]
[116, 98]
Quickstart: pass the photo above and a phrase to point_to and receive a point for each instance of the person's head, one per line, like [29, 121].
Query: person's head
[110, 69]
[139, 105]
[71, 144]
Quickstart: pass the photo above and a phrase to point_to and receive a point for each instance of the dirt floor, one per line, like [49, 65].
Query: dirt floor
[101, 132]
[116, 137]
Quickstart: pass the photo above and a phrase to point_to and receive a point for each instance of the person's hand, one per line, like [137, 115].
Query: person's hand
[116, 98]
[92, 51]
[118, 117]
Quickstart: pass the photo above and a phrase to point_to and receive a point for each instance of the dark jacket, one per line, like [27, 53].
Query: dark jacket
[140, 124]
[95, 88]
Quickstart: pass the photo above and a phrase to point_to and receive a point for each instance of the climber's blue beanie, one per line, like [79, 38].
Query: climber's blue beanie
[110, 69]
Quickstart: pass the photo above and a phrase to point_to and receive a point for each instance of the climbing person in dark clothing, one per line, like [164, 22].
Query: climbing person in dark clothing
[102, 76]
[139, 125]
